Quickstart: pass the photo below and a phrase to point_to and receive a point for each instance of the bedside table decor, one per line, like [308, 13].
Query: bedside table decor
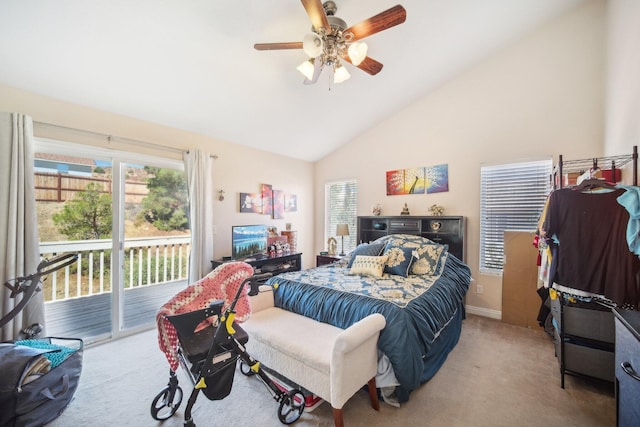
[332, 244]
[342, 230]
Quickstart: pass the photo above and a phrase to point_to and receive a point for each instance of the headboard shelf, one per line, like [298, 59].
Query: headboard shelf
[448, 230]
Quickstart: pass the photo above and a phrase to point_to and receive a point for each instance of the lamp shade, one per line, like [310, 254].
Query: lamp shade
[340, 74]
[307, 69]
[312, 45]
[342, 230]
[357, 52]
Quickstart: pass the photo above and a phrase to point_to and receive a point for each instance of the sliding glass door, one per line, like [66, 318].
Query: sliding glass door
[74, 201]
[126, 220]
[156, 240]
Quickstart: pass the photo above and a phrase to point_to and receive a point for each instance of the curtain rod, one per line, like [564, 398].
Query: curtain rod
[123, 139]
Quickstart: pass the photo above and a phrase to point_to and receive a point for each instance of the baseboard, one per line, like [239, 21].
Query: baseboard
[480, 311]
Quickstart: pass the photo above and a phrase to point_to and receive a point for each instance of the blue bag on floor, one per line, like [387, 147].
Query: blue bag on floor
[39, 378]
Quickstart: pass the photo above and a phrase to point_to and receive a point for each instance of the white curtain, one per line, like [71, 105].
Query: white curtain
[19, 249]
[198, 165]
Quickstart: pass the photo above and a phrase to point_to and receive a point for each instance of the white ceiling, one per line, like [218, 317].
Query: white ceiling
[190, 64]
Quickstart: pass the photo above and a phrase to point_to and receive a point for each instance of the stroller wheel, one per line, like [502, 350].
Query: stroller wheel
[166, 403]
[291, 407]
[246, 369]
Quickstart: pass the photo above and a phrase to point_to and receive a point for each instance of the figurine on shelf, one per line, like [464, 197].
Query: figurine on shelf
[376, 209]
[436, 210]
[332, 245]
[405, 210]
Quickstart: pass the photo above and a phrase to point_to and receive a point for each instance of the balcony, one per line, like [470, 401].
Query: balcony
[78, 298]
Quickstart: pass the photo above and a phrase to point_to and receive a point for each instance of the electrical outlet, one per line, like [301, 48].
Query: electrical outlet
[479, 288]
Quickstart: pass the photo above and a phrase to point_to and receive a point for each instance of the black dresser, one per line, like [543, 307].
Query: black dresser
[627, 367]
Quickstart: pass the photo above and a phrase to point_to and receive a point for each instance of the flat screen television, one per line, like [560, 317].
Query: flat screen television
[248, 240]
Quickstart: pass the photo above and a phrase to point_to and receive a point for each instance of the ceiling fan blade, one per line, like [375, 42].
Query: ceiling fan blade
[382, 21]
[278, 46]
[316, 13]
[368, 65]
[317, 69]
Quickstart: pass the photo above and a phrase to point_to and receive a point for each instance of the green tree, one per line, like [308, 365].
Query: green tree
[86, 216]
[166, 205]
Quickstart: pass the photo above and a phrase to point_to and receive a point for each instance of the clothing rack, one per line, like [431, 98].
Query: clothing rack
[582, 165]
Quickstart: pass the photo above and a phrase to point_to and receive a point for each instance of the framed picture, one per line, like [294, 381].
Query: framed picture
[250, 202]
[278, 204]
[405, 181]
[395, 182]
[290, 203]
[437, 178]
[267, 199]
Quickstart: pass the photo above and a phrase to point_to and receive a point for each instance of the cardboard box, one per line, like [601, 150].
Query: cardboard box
[608, 175]
[520, 300]
[570, 179]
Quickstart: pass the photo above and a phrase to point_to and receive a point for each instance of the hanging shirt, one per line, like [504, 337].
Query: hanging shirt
[593, 254]
[631, 202]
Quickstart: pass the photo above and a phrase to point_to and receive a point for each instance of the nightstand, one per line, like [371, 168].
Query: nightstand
[326, 259]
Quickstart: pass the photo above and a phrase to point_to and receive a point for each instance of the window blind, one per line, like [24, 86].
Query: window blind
[342, 208]
[512, 197]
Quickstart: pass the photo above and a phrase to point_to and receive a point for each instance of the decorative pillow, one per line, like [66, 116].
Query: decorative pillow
[429, 259]
[368, 265]
[399, 260]
[431, 255]
[368, 249]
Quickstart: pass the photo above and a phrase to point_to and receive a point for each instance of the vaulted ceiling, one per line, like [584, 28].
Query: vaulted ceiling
[190, 64]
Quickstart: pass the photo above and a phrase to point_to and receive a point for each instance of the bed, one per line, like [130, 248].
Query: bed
[419, 289]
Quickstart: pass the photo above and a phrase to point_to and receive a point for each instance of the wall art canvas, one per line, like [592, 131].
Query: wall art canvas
[278, 204]
[267, 198]
[395, 182]
[290, 203]
[414, 181]
[405, 181]
[437, 178]
[250, 202]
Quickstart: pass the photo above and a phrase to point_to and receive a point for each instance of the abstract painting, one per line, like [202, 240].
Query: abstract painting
[290, 203]
[437, 178]
[267, 199]
[421, 180]
[278, 204]
[250, 202]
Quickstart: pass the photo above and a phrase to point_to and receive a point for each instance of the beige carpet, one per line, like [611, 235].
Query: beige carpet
[498, 375]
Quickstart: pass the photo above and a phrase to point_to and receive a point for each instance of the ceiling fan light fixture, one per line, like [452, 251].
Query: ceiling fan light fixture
[307, 69]
[357, 52]
[340, 74]
[312, 45]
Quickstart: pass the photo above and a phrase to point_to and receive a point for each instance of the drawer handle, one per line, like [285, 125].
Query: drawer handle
[626, 366]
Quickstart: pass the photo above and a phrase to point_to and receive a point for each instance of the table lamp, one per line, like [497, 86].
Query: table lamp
[342, 230]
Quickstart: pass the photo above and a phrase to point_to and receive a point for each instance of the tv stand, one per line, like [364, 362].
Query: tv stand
[266, 264]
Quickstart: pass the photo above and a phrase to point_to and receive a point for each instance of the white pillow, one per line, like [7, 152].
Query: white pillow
[368, 265]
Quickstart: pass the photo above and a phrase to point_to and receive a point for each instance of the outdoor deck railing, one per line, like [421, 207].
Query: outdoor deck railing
[147, 261]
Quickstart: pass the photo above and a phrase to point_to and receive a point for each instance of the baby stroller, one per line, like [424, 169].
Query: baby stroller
[39, 375]
[208, 354]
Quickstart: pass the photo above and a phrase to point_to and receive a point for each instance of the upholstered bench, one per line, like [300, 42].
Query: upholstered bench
[332, 363]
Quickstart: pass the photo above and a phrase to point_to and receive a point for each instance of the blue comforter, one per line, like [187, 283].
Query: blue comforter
[417, 308]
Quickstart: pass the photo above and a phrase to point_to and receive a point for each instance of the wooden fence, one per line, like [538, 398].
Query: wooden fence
[56, 187]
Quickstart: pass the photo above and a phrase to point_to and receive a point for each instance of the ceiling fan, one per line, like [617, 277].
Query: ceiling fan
[331, 42]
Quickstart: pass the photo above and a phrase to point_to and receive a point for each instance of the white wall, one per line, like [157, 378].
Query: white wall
[237, 169]
[538, 98]
[623, 76]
